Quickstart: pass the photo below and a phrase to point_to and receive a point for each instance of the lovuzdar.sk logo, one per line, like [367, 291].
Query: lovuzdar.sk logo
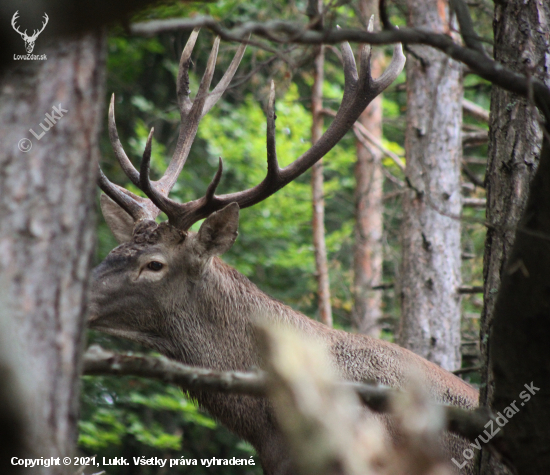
[29, 40]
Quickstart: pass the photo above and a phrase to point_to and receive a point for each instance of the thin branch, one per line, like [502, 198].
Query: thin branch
[470, 369]
[383, 286]
[474, 202]
[463, 289]
[98, 361]
[474, 110]
[473, 139]
[470, 289]
[475, 160]
[467, 31]
[472, 176]
[361, 131]
[291, 31]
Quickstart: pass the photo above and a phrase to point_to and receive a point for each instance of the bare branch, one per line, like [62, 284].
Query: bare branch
[474, 202]
[362, 131]
[98, 361]
[474, 110]
[467, 31]
[473, 139]
[472, 176]
[478, 62]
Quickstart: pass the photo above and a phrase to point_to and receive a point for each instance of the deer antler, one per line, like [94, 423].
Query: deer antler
[24, 35]
[191, 113]
[359, 90]
[14, 25]
[37, 32]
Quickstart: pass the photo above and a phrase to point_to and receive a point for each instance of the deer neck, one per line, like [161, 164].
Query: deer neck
[216, 320]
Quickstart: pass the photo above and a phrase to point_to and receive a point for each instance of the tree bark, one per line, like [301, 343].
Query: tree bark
[514, 150]
[368, 252]
[318, 201]
[519, 350]
[430, 323]
[47, 228]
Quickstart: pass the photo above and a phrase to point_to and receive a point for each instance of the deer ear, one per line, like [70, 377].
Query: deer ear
[219, 231]
[118, 220]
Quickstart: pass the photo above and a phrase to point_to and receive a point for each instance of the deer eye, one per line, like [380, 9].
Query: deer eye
[155, 266]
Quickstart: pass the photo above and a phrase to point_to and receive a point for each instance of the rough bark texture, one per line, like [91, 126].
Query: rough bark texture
[430, 231]
[367, 252]
[47, 228]
[519, 351]
[318, 201]
[514, 149]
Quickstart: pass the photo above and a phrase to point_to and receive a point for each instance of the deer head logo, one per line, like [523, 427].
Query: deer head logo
[29, 40]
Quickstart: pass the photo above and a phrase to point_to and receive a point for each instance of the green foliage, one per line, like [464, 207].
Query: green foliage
[133, 417]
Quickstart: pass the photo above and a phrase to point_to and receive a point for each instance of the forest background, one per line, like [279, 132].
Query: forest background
[128, 416]
[46, 216]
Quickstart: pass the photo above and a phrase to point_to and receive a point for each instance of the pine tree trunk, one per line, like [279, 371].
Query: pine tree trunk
[368, 252]
[514, 149]
[431, 229]
[519, 350]
[318, 201]
[47, 229]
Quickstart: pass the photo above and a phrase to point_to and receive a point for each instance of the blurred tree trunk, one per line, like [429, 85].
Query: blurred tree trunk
[12, 397]
[318, 201]
[519, 350]
[430, 323]
[514, 149]
[368, 252]
[47, 228]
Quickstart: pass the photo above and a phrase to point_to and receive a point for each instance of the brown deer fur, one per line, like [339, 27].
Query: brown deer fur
[200, 311]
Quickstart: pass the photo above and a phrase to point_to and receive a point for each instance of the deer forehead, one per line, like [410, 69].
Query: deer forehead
[152, 241]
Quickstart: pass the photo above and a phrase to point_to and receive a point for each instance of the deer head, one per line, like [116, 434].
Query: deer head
[154, 284]
[29, 40]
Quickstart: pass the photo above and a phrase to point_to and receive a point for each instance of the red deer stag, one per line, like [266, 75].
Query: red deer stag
[165, 286]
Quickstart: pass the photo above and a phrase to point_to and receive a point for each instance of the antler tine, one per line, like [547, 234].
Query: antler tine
[272, 163]
[189, 127]
[350, 72]
[365, 56]
[225, 80]
[123, 159]
[211, 190]
[182, 85]
[182, 216]
[392, 71]
[159, 199]
[171, 208]
[359, 90]
[135, 206]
